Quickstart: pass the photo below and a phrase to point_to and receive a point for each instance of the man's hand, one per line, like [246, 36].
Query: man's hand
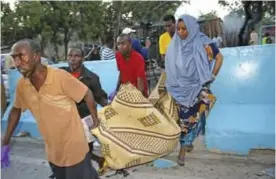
[112, 95]
[96, 123]
[5, 158]
[92, 106]
[91, 122]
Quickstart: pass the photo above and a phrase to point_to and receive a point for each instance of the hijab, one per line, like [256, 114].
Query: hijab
[186, 63]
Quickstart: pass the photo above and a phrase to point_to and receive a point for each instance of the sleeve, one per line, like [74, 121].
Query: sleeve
[214, 49]
[161, 46]
[97, 90]
[136, 45]
[109, 55]
[72, 87]
[19, 102]
[145, 53]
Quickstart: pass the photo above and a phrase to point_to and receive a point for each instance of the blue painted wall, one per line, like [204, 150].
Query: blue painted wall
[106, 70]
[244, 114]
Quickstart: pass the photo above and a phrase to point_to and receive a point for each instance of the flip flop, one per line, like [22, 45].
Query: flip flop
[103, 169]
[181, 161]
[190, 148]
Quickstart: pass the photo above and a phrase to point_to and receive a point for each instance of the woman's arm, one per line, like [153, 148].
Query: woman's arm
[218, 63]
[214, 52]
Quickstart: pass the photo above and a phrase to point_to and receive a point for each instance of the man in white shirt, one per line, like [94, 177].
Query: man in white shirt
[217, 40]
[106, 52]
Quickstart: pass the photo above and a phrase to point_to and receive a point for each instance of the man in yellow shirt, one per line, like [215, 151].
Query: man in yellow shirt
[165, 38]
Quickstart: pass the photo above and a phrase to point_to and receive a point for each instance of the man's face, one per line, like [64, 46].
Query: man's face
[75, 58]
[124, 45]
[169, 27]
[25, 60]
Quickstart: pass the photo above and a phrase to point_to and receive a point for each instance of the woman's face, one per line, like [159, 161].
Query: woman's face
[182, 30]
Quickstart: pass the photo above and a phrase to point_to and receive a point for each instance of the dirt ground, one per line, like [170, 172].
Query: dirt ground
[28, 162]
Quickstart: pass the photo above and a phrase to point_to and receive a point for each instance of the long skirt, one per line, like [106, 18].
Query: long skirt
[192, 120]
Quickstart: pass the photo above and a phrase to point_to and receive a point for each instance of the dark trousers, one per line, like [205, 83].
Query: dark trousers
[82, 170]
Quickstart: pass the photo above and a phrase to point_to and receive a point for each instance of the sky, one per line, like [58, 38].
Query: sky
[204, 6]
[194, 8]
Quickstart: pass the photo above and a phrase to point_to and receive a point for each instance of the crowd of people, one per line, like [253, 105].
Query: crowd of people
[63, 101]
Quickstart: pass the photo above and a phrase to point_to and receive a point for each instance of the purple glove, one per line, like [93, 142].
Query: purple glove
[5, 158]
[112, 95]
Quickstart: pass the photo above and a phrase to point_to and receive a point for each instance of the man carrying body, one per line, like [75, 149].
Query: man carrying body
[166, 37]
[75, 59]
[136, 45]
[51, 95]
[131, 65]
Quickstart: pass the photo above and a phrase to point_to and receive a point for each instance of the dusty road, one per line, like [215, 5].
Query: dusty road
[28, 162]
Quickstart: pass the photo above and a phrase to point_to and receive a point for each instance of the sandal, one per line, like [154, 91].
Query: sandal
[103, 169]
[190, 148]
[181, 161]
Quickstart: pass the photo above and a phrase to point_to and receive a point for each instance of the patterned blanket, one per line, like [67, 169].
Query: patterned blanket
[135, 130]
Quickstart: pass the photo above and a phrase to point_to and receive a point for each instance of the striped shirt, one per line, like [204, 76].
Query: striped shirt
[107, 54]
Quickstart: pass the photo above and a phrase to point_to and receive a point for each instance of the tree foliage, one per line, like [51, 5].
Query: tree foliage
[254, 13]
[59, 22]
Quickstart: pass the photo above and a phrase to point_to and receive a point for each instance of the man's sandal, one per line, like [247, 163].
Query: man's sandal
[103, 169]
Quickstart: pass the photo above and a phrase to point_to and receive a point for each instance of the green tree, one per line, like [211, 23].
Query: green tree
[255, 13]
[120, 14]
[57, 22]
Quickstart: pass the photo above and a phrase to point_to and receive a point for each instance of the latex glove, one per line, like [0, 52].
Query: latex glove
[112, 95]
[5, 158]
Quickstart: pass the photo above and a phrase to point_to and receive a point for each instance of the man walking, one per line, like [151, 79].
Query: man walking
[131, 65]
[75, 59]
[165, 38]
[51, 95]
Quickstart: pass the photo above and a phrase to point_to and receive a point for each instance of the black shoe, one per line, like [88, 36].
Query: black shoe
[52, 176]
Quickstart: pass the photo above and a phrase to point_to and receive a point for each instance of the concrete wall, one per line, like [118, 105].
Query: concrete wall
[243, 116]
[108, 78]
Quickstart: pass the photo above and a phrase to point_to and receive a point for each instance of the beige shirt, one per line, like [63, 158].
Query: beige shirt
[54, 108]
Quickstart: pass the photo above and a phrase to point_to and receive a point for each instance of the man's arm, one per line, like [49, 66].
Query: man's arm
[92, 107]
[140, 85]
[103, 102]
[162, 49]
[163, 57]
[19, 106]
[118, 82]
[77, 91]
[12, 123]
[98, 93]
[141, 75]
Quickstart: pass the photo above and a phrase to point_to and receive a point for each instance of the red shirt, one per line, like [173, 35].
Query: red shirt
[76, 74]
[132, 69]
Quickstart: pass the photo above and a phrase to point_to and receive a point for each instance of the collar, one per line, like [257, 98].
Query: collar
[130, 54]
[84, 72]
[49, 77]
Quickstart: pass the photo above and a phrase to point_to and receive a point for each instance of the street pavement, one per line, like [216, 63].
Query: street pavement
[28, 162]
